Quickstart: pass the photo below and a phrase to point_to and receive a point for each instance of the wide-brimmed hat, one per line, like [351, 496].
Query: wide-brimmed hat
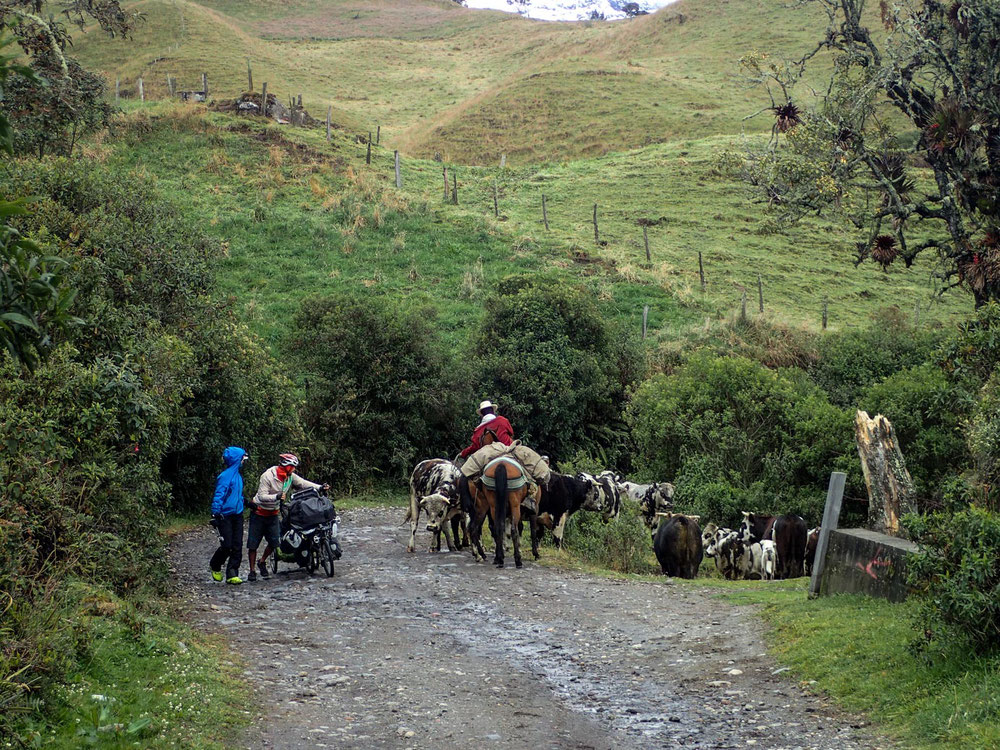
[486, 405]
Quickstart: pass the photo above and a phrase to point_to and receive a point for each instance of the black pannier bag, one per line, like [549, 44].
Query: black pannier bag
[308, 508]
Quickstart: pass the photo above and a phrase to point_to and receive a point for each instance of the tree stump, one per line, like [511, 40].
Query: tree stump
[890, 488]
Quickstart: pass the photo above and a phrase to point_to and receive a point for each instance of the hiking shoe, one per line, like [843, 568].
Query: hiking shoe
[216, 575]
[234, 580]
[252, 577]
[262, 567]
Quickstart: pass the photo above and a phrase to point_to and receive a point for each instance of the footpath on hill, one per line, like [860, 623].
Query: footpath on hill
[425, 650]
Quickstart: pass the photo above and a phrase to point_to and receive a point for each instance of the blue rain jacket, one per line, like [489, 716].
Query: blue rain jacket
[228, 498]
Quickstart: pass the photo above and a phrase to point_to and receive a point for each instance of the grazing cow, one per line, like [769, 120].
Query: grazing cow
[603, 495]
[560, 498]
[790, 539]
[434, 490]
[654, 498]
[755, 527]
[677, 544]
[728, 552]
[812, 539]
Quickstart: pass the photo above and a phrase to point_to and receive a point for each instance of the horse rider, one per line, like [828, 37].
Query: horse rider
[492, 428]
[494, 437]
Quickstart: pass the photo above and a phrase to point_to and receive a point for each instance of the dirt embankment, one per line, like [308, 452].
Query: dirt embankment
[424, 650]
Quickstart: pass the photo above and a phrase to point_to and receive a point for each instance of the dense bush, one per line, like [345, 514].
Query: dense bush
[382, 394]
[624, 544]
[559, 370]
[958, 576]
[850, 361]
[925, 409]
[730, 426]
[126, 417]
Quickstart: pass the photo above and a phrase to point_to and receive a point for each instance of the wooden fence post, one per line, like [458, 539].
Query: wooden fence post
[300, 101]
[378, 134]
[503, 160]
[701, 271]
[743, 306]
[204, 85]
[249, 76]
[596, 235]
[645, 320]
[545, 214]
[444, 173]
[118, 87]
[760, 293]
[142, 92]
[824, 314]
[263, 99]
[368, 155]
[831, 517]
[399, 176]
[645, 241]
[329, 120]
[496, 208]
[454, 187]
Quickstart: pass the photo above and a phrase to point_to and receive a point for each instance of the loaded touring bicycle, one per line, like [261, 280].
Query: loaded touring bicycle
[309, 528]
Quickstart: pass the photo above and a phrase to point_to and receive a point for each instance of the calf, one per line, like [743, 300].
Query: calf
[790, 540]
[678, 547]
[812, 539]
[761, 560]
[728, 552]
[434, 490]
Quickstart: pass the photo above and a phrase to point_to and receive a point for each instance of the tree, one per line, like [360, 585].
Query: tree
[557, 369]
[33, 301]
[51, 111]
[904, 143]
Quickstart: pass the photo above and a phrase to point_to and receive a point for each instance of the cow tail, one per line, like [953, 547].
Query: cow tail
[500, 498]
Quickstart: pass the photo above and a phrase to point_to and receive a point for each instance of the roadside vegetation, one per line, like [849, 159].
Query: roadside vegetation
[181, 280]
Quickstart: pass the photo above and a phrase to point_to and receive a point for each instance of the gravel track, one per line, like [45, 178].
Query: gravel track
[435, 651]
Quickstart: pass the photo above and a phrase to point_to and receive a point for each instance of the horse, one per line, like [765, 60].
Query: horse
[501, 488]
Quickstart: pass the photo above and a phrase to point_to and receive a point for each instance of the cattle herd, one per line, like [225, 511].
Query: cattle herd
[765, 547]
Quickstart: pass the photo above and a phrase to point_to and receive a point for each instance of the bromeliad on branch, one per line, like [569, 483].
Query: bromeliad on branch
[924, 180]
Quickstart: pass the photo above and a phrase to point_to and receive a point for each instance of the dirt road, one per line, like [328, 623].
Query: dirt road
[435, 651]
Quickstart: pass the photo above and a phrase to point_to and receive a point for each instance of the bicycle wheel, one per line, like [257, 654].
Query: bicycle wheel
[313, 559]
[274, 561]
[326, 556]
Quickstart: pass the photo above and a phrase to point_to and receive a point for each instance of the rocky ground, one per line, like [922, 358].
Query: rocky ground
[433, 650]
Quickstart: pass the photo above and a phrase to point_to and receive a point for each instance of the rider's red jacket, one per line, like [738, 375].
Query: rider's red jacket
[499, 426]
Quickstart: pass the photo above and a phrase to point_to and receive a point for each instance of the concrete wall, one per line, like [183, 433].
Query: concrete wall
[859, 561]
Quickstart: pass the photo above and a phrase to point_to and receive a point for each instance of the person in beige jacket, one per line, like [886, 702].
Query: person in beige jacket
[274, 487]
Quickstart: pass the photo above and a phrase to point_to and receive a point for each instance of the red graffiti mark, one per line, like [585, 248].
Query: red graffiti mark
[875, 562]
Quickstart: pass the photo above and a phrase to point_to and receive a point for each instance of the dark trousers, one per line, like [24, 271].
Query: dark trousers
[231, 547]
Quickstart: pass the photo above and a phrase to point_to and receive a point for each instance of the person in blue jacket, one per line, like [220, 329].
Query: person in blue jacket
[227, 516]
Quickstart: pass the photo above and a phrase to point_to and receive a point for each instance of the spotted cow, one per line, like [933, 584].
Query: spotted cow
[434, 490]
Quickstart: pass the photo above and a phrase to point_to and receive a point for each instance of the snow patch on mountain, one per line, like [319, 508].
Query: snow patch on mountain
[567, 10]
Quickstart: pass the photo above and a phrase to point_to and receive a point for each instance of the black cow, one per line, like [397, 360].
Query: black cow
[790, 538]
[678, 546]
[561, 498]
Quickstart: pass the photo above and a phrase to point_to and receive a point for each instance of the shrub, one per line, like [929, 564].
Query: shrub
[559, 371]
[382, 393]
[733, 435]
[983, 440]
[624, 544]
[958, 576]
[925, 409]
[850, 361]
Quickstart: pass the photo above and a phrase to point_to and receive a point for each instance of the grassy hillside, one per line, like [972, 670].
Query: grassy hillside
[470, 85]
[299, 217]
